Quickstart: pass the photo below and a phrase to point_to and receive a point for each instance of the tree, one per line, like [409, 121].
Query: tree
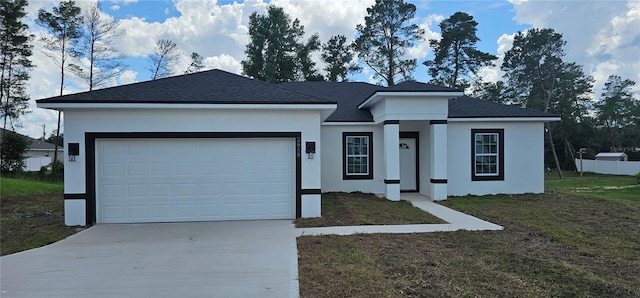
[276, 52]
[196, 63]
[15, 62]
[384, 38]
[617, 108]
[64, 28]
[163, 59]
[338, 56]
[12, 152]
[456, 57]
[100, 32]
[306, 68]
[531, 68]
[492, 91]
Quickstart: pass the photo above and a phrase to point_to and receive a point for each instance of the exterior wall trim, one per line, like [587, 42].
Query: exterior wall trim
[311, 191]
[391, 181]
[90, 153]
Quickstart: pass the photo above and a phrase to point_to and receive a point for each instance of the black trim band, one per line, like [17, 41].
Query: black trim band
[311, 191]
[391, 181]
[391, 122]
[438, 181]
[75, 196]
[432, 122]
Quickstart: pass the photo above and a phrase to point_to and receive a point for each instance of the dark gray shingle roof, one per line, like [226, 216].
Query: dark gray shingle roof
[469, 107]
[213, 86]
[413, 86]
[348, 95]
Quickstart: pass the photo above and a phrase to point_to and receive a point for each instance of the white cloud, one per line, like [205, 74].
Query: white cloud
[603, 36]
[124, 1]
[128, 77]
[115, 7]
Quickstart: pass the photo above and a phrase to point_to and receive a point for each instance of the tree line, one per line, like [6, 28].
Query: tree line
[536, 73]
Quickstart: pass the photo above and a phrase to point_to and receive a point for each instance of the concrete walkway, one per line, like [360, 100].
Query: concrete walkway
[456, 221]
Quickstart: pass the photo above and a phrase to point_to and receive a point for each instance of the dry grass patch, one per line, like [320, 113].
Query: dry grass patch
[31, 220]
[353, 209]
[559, 244]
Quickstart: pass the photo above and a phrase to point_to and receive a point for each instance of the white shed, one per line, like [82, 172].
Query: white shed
[615, 156]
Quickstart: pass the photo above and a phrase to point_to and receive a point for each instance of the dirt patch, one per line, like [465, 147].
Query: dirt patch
[552, 245]
[32, 220]
[353, 209]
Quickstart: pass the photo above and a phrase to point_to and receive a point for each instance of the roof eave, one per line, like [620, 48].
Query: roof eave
[503, 118]
[375, 97]
[221, 106]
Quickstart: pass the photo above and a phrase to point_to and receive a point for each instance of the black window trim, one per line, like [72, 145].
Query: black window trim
[500, 176]
[345, 176]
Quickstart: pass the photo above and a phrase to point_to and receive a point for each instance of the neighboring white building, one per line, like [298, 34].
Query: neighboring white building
[39, 154]
[615, 156]
[218, 146]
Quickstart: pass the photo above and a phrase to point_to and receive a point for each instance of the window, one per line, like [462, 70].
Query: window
[487, 154]
[357, 155]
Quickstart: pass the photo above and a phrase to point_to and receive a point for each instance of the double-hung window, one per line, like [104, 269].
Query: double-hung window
[487, 154]
[357, 155]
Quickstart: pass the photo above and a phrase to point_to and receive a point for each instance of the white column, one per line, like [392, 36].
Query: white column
[392, 159]
[438, 143]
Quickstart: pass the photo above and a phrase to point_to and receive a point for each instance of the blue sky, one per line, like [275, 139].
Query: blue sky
[603, 36]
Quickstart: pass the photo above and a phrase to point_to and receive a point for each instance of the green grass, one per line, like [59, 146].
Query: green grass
[623, 188]
[352, 209]
[31, 215]
[16, 186]
[580, 239]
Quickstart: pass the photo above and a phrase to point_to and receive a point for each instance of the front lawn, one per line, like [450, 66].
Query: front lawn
[31, 215]
[353, 209]
[567, 243]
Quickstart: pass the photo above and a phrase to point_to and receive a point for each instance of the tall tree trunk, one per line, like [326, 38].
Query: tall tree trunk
[553, 151]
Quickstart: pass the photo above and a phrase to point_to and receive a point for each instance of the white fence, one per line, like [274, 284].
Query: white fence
[609, 166]
[36, 162]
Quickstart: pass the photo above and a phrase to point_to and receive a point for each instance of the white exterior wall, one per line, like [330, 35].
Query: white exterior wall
[77, 122]
[332, 160]
[523, 159]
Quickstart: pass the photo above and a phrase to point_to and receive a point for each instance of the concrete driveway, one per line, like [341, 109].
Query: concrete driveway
[200, 259]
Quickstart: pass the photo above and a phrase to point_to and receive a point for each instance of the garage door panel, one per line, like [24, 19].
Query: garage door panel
[194, 179]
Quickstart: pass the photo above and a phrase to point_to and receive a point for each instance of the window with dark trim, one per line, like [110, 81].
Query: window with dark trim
[357, 155]
[487, 154]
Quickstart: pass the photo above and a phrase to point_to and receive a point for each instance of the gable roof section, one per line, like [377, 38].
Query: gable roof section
[347, 95]
[206, 87]
[413, 86]
[469, 107]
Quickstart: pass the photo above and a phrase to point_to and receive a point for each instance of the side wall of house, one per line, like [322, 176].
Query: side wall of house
[332, 160]
[79, 122]
[523, 159]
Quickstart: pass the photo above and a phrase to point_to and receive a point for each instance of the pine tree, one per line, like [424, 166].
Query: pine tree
[338, 56]
[384, 38]
[15, 60]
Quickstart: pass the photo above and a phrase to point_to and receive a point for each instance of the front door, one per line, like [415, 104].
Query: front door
[408, 164]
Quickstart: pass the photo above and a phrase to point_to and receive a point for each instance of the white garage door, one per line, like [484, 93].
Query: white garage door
[169, 180]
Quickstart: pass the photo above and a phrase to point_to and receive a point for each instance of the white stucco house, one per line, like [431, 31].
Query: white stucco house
[218, 146]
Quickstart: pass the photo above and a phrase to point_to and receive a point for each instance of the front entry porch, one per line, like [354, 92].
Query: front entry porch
[415, 158]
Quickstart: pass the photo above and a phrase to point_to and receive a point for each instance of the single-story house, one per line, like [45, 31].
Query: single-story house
[39, 154]
[219, 146]
[614, 156]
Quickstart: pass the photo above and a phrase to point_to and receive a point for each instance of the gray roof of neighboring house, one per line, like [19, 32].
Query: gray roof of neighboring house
[212, 86]
[36, 144]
